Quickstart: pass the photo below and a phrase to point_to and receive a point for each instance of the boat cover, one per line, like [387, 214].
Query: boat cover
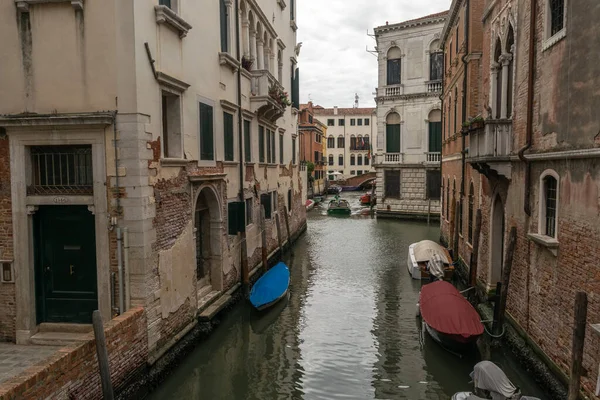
[425, 249]
[435, 266]
[271, 286]
[447, 311]
[488, 376]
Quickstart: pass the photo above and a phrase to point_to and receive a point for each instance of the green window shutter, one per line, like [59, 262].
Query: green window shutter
[273, 154]
[435, 136]
[236, 215]
[207, 151]
[392, 138]
[296, 88]
[224, 27]
[280, 149]
[293, 151]
[247, 142]
[228, 135]
[261, 144]
[268, 146]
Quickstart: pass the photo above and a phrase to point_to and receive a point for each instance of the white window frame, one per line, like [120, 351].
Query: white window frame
[179, 95]
[208, 102]
[551, 40]
[542, 204]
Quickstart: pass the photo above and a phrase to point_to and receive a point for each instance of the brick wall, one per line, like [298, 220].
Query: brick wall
[72, 373]
[7, 290]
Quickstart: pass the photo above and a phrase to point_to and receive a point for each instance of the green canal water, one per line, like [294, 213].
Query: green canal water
[347, 331]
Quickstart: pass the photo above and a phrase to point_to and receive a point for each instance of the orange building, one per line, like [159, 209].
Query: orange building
[312, 133]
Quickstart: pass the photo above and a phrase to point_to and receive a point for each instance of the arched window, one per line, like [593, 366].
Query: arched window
[392, 133]
[330, 142]
[393, 66]
[359, 143]
[497, 79]
[548, 220]
[279, 66]
[443, 196]
[330, 159]
[367, 159]
[341, 160]
[510, 41]
[352, 159]
[448, 200]
[455, 128]
[352, 142]
[436, 62]
[435, 132]
[359, 159]
[470, 216]
[340, 142]
[366, 140]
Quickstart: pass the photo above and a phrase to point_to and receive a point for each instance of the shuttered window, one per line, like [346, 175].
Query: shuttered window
[228, 136]
[434, 184]
[280, 149]
[294, 151]
[224, 26]
[247, 142]
[206, 132]
[261, 144]
[265, 201]
[393, 72]
[435, 136]
[392, 138]
[392, 183]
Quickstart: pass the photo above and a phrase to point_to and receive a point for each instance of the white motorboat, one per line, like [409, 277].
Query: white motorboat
[421, 253]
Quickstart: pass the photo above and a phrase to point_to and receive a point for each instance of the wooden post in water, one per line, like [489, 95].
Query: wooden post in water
[263, 235]
[475, 252]
[101, 352]
[244, 261]
[455, 236]
[279, 236]
[577, 349]
[428, 210]
[510, 252]
[287, 228]
[496, 300]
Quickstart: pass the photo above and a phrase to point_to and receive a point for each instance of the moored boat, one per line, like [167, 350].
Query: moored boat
[366, 199]
[421, 253]
[334, 189]
[339, 207]
[449, 318]
[310, 204]
[271, 287]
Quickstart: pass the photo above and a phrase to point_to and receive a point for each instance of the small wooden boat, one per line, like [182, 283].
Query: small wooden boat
[366, 199]
[271, 287]
[339, 207]
[449, 318]
[350, 188]
[419, 255]
[310, 204]
[334, 189]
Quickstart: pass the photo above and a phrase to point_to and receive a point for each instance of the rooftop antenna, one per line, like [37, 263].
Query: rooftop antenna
[309, 97]
[355, 100]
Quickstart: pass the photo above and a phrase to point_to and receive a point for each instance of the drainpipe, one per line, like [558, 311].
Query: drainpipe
[120, 263]
[117, 191]
[529, 129]
[239, 100]
[126, 267]
[464, 106]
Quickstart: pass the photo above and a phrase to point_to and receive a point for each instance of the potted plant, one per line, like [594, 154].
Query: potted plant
[473, 123]
[279, 96]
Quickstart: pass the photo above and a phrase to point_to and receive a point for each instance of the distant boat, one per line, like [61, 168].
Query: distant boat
[365, 199]
[271, 287]
[334, 189]
[350, 188]
[339, 207]
[421, 253]
[449, 318]
[310, 204]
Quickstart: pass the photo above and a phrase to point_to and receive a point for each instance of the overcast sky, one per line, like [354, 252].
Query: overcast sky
[333, 61]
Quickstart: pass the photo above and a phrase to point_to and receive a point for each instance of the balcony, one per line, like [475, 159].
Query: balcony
[434, 86]
[390, 91]
[489, 148]
[433, 157]
[261, 101]
[389, 158]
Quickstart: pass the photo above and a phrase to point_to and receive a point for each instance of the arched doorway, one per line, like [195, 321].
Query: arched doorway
[497, 242]
[207, 238]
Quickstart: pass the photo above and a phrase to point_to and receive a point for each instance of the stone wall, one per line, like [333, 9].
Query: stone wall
[7, 290]
[72, 373]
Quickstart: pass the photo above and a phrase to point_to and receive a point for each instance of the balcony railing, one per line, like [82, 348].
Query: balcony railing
[392, 90]
[493, 141]
[433, 157]
[261, 101]
[434, 86]
[390, 158]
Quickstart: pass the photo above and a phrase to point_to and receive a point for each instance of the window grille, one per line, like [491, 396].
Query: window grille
[61, 170]
[557, 16]
[550, 206]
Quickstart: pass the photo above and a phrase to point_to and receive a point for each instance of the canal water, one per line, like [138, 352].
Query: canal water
[347, 331]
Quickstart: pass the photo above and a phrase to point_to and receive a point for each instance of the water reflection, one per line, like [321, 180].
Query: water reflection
[347, 331]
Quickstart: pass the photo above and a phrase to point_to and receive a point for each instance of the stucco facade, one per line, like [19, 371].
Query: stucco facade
[350, 132]
[146, 96]
[407, 159]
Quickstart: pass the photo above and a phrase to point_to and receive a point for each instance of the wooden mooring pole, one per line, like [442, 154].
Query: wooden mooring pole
[263, 236]
[428, 211]
[455, 232]
[279, 236]
[287, 228]
[510, 252]
[577, 349]
[244, 261]
[101, 352]
[475, 252]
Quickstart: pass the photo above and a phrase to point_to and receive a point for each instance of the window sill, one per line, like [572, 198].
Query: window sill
[293, 25]
[228, 60]
[272, 165]
[230, 163]
[551, 41]
[550, 243]
[23, 5]
[249, 164]
[164, 15]
[281, 4]
[174, 162]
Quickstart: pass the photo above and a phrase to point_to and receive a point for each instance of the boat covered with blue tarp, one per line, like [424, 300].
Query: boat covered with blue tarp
[271, 287]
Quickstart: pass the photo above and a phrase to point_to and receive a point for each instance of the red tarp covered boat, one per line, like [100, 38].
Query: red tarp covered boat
[449, 318]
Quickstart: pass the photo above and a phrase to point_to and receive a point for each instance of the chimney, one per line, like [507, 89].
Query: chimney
[335, 110]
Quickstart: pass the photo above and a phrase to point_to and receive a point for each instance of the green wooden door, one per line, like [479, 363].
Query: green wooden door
[435, 137]
[392, 138]
[66, 264]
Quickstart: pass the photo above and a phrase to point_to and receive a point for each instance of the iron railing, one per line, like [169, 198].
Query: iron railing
[61, 170]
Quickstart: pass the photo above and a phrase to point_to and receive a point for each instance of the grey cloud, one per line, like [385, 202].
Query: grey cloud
[334, 63]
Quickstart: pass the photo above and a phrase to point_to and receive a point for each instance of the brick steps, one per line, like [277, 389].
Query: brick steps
[214, 308]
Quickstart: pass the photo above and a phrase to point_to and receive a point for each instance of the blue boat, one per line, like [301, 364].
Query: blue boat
[271, 287]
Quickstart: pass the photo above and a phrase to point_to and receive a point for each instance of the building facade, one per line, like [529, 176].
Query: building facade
[536, 155]
[312, 136]
[407, 160]
[151, 129]
[349, 135]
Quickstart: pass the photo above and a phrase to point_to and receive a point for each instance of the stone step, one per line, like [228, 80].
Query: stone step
[59, 338]
[204, 290]
[64, 327]
[214, 308]
[207, 300]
